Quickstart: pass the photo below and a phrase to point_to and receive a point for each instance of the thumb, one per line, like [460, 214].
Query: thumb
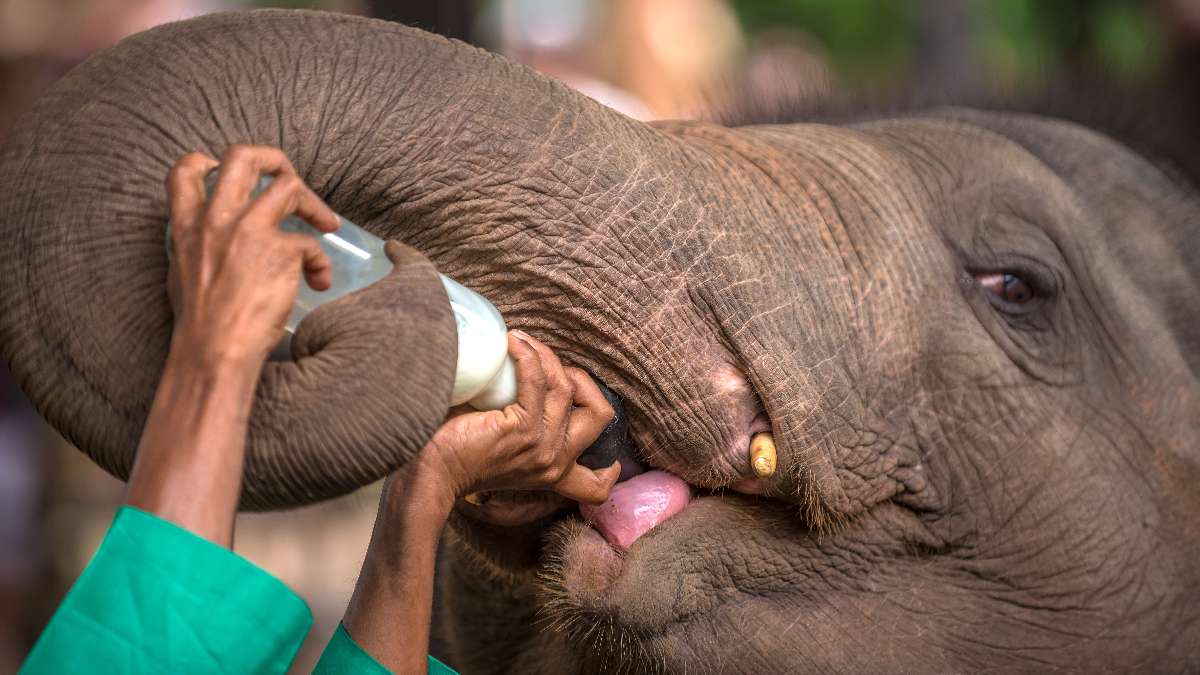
[588, 486]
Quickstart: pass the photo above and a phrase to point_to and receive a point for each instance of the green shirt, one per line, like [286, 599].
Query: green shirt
[157, 598]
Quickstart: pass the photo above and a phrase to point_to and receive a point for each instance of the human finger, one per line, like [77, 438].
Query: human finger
[185, 188]
[558, 389]
[288, 194]
[557, 383]
[589, 486]
[318, 270]
[241, 167]
[315, 211]
[531, 378]
[591, 415]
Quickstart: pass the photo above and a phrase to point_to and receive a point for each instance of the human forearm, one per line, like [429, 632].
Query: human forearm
[389, 613]
[189, 463]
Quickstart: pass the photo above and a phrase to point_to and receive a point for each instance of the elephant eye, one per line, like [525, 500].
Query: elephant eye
[1007, 287]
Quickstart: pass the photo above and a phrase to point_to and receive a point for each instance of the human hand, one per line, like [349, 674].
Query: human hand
[530, 445]
[234, 274]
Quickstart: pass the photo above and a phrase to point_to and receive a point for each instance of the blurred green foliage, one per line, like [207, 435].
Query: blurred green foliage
[865, 39]
[1131, 39]
[1023, 41]
[1015, 42]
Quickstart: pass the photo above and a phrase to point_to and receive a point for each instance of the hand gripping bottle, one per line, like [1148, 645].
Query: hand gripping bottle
[484, 377]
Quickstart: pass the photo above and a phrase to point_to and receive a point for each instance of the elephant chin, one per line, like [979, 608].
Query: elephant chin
[586, 574]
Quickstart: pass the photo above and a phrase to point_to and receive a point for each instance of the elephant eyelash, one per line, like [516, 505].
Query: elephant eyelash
[997, 279]
[1007, 287]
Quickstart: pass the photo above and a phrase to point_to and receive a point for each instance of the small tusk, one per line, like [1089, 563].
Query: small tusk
[762, 454]
[477, 498]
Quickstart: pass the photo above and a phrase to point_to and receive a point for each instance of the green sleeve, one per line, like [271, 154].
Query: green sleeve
[343, 655]
[157, 599]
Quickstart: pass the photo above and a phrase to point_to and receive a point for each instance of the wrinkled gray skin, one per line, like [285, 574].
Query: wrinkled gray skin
[964, 485]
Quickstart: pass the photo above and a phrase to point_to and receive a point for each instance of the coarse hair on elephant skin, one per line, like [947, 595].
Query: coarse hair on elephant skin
[971, 333]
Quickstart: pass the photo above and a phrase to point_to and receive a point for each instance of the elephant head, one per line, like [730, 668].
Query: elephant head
[973, 336]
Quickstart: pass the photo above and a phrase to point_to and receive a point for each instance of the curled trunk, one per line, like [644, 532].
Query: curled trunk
[381, 120]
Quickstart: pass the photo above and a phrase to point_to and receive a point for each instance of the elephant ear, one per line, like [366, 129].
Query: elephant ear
[85, 322]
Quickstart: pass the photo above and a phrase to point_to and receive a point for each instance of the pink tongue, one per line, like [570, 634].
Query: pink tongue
[637, 505]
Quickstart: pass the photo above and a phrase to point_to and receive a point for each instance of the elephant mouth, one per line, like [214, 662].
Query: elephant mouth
[586, 547]
[636, 506]
[650, 490]
[653, 490]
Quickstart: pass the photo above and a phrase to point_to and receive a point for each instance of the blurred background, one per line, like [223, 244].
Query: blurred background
[651, 59]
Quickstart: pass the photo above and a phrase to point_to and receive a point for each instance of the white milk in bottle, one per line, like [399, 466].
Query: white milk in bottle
[484, 377]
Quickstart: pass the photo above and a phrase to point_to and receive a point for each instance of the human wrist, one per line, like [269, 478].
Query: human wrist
[224, 374]
[429, 485]
[418, 508]
[203, 395]
[219, 356]
[189, 463]
[409, 525]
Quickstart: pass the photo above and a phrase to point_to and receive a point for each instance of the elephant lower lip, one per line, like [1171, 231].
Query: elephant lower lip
[589, 583]
[588, 565]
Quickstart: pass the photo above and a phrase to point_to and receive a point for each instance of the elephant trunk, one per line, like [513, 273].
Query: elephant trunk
[417, 138]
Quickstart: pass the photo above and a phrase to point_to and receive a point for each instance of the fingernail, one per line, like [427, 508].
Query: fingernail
[521, 335]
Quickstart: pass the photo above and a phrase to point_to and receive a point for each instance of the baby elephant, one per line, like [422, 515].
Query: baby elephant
[910, 394]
